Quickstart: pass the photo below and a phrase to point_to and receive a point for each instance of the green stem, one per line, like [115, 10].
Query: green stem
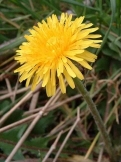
[97, 119]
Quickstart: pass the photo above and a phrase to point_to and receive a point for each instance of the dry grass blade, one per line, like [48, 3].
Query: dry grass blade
[68, 135]
[7, 95]
[9, 88]
[10, 68]
[9, 21]
[101, 154]
[60, 103]
[28, 96]
[53, 146]
[34, 101]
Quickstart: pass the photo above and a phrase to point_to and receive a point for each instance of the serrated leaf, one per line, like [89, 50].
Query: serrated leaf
[113, 47]
[43, 124]
[107, 51]
[7, 148]
[12, 136]
[40, 142]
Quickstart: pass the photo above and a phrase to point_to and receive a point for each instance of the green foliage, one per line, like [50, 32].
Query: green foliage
[8, 140]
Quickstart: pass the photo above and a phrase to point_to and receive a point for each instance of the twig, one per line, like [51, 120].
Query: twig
[66, 122]
[68, 135]
[12, 93]
[101, 153]
[34, 101]
[61, 126]
[55, 105]
[15, 89]
[13, 125]
[92, 146]
[10, 68]
[52, 147]
[9, 88]
[2, 16]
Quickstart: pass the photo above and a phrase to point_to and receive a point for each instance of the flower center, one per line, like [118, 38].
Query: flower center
[52, 42]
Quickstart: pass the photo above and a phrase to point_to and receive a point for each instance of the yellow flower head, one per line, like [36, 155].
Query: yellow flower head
[51, 50]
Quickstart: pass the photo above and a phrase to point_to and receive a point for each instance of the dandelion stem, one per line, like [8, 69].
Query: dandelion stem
[97, 119]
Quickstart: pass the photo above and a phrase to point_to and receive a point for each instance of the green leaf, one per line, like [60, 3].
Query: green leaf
[40, 142]
[107, 51]
[11, 44]
[13, 135]
[73, 2]
[102, 64]
[3, 104]
[113, 7]
[43, 124]
[15, 116]
[113, 47]
[7, 148]
[24, 6]
[113, 39]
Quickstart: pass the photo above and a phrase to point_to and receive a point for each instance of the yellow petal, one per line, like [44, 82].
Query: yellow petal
[62, 84]
[73, 52]
[69, 79]
[64, 59]
[95, 45]
[34, 82]
[87, 25]
[76, 70]
[85, 64]
[28, 81]
[53, 79]
[48, 89]
[46, 78]
[93, 36]
[62, 18]
[75, 58]
[88, 56]
[53, 90]
[70, 71]
[60, 66]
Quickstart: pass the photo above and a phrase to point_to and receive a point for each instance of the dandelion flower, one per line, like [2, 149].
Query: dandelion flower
[52, 49]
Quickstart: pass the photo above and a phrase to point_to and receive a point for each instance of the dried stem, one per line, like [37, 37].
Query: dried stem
[22, 121]
[52, 147]
[34, 101]
[7, 95]
[9, 88]
[10, 68]
[101, 154]
[51, 107]
[68, 135]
